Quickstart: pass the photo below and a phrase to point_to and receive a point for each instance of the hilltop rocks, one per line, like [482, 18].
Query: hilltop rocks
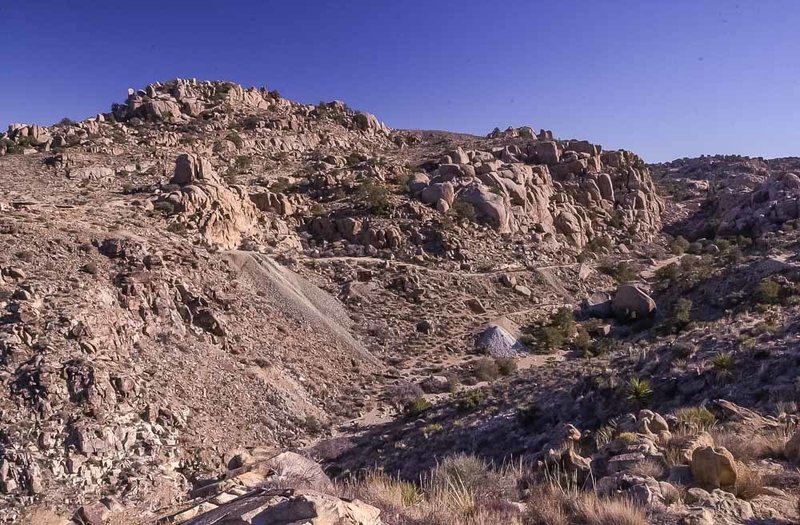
[369, 123]
[631, 303]
[548, 189]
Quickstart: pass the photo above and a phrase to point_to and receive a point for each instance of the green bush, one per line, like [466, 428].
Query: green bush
[621, 272]
[565, 322]
[464, 211]
[768, 291]
[681, 314]
[485, 369]
[417, 407]
[583, 341]
[679, 245]
[548, 339]
[723, 362]
[374, 196]
[506, 365]
[469, 400]
[670, 272]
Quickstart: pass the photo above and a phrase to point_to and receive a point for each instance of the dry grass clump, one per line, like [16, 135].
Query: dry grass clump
[550, 506]
[749, 483]
[465, 490]
[460, 490]
[752, 446]
[649, 468]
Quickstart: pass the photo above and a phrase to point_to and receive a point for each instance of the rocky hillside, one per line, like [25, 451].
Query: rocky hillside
[210, 284]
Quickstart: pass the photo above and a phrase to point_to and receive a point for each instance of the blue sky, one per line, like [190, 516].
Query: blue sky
[665, 78]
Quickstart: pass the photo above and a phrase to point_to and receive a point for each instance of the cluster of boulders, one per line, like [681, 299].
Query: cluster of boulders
[768, 206]
[628, 303]
[661, 462]
[546, 187]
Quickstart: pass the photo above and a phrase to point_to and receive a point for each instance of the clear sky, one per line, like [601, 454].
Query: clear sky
[665, 78]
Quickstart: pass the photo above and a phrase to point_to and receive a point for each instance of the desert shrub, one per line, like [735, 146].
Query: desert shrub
[527, 414]
[431, 429]
[236, 139]
[243, 162]
[403, 394]
[165, 207]
[621, 272]
[583, 341]
[678, 245]
[670, 272]
[749, 482]
[374, 196]
[682, 350]
[469, 400]
[251, 122]
[695, 248]
[417, 407]
[313, 425]
[548, 339]
[506, 365]
[604, 346]
[649, 468]
[593, 510]
[628, 438]
[605, 434]
[600, 243]
[485, 369]
[564, 321]
[681, 314]
[769, 291]
[639, 391]
[753, 446]
[176, 227]
[464, 211]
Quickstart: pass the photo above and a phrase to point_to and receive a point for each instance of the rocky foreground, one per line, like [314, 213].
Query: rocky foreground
[216, 300]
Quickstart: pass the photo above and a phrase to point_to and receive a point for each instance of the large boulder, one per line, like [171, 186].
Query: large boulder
[714, 467]
[490, 206]
[292, 469]
[499, 339]
[438, 191]
[320, 509]
[418, 182]
[547, 152]
[631, 302]
[191, 169]
[605, 186]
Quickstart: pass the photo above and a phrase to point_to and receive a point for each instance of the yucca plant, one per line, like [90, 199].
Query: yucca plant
[696, 418]
[639, 390]
[723, 364]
